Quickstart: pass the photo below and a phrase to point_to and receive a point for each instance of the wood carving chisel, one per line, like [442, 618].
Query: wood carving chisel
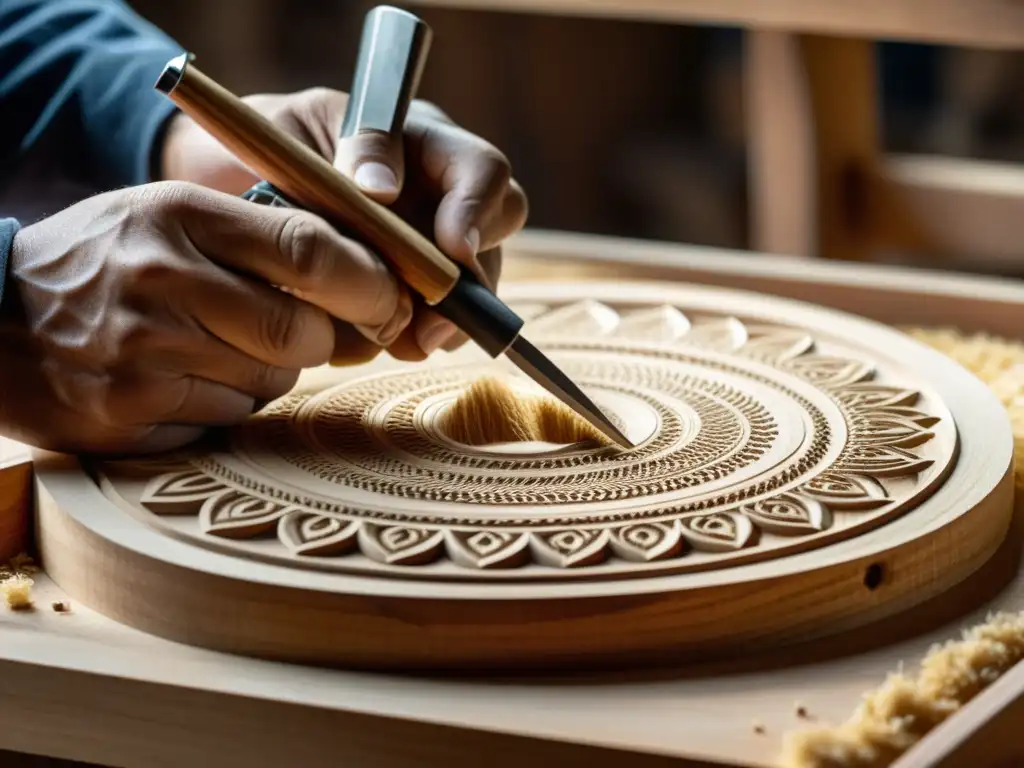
[303, 179]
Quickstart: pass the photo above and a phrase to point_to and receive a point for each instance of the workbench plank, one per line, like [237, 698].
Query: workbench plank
[995, 24]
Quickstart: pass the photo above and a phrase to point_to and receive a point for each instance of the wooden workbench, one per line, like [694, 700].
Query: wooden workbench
[80, 687]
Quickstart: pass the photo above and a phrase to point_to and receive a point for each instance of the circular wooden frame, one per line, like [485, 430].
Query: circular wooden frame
[140, 571]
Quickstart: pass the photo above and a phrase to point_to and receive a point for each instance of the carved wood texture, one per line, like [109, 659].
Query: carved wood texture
[756, 439]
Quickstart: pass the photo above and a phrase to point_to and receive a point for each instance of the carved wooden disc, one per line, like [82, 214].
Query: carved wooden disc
[783, 452]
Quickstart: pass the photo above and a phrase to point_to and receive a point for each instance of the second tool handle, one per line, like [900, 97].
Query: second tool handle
[308, 179]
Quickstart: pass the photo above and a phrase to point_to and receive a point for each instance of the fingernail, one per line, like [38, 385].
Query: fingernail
[393, 328]
[376, 177]
[431, 337]
[473, 238]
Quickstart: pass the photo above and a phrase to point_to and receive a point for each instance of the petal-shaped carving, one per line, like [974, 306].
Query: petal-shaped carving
[571, 548]
[718, 532]
[488, 549]
[237, 515]
[831, 371]
[789, 514]
[725, 334]
[868, 396]
[646, 542]
[849, 492]
[777, 345]
[401, 545]
[891, 430]
[881, 461]
[657, 324]
[920, 418]
[318, 535]
[585, 319]
[180, 493]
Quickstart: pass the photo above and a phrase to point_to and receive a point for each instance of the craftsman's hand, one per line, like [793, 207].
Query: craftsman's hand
[453, 186]
[136, 318]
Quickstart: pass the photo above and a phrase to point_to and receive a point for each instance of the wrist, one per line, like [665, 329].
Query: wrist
[167, 160]
[8, 232]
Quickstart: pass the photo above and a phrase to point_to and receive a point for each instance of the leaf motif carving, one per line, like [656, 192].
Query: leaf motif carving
[718, 532]
[662, 324]
[778, 345]
[318, 535]
[849, 492]
[869, 396]
[882, 429]
[570, 548]
[236, 515]
[180, 493]
[725, 334]
[583, 319]
[920, 418]
[882, 461]
[401, 545]
[488, 549]
[789, 514]
[646, 542]
[831, 371]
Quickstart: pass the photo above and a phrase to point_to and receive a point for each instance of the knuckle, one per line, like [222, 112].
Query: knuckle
[318, 94]
[144, 269]
[500, 165]
[281, 327]
[168, 197]
[517, 206]
[269, 382]
[303, 244]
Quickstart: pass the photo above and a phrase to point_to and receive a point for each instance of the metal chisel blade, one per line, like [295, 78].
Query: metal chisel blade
[538, 367]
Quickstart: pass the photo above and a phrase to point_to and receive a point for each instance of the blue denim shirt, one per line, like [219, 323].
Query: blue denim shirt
[76, 87]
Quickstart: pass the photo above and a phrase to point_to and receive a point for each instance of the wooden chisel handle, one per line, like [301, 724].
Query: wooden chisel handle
[308, 180]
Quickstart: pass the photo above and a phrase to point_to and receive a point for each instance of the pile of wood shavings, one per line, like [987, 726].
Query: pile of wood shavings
[16, 582]
[893, 718]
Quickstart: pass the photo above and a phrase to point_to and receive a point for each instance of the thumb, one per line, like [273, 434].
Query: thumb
[374, 161]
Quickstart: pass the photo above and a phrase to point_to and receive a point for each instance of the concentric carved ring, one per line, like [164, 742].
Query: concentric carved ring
[754, 440]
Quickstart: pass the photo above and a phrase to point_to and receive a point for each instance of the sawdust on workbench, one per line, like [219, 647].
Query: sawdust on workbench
[894, 717]
[16, 582]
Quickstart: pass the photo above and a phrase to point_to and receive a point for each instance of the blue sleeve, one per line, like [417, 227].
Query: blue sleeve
[79, 76]
[8, 229]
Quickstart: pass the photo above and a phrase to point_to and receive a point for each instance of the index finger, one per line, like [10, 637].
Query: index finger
[297, 251]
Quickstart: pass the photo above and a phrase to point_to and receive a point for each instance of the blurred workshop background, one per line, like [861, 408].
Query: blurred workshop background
[616, 127]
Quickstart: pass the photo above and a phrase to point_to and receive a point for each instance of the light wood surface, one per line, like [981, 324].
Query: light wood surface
[960, 210]
[82, 687]
[781, 153]
[749, 514]
[980, 23]
[15, 498]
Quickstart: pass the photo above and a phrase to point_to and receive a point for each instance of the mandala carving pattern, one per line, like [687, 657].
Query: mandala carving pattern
[754, 439]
